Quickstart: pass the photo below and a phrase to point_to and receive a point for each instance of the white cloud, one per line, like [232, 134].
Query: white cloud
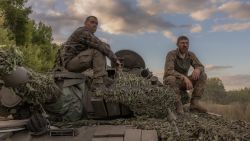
[203, 14]
[231, 27]
[170, 36]
[120, 17]
[236, 81]
[172, 6]
[216, 68]
[218, 2]
[200, 9]
[115, 17]
[56, 15]
[149, 6]
[104, 40]
[45, 6]
[196, 28]
[236, 9]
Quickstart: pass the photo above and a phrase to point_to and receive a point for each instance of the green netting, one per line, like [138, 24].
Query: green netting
[139, 95]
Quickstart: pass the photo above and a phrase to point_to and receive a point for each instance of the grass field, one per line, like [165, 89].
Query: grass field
[233, 111]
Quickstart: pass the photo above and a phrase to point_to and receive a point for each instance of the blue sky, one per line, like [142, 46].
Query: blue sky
[219, 30]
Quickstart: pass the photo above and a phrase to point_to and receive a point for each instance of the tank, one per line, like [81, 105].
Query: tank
[97, 108]
[130, 59]
[117, 122]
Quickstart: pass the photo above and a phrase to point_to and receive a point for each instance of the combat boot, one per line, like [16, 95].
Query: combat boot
[195, 106]
[179, 107]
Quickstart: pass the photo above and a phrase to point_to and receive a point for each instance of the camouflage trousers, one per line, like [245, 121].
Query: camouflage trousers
[90, 58]
[180, 89]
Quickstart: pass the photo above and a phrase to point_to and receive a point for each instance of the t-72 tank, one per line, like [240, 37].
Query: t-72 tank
[136, 107]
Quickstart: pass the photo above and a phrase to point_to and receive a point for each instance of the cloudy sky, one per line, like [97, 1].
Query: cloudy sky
[219, 30]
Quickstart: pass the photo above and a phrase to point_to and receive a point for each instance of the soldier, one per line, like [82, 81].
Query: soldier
[83, 50]
[177, 65]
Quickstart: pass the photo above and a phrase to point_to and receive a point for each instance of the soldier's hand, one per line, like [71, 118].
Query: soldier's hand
[118, 64]
[196, 74]
[188, 83]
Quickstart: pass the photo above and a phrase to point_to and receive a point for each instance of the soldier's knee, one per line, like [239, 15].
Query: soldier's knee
[99, 56]
[170, 80]
[98, 53]
[203, 76]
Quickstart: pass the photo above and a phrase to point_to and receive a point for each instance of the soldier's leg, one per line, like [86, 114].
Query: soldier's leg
[81, 62]
[99, 67]
[176, 84]
[90, 58]
[199, 87]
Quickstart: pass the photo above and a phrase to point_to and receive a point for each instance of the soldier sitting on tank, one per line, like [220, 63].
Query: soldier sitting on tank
[177, 65]
[83, 50]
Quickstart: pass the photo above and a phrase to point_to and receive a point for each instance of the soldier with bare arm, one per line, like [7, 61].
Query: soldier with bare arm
[177, 65]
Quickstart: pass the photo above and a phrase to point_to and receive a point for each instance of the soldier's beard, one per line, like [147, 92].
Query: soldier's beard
[183, 50]
[93, 30]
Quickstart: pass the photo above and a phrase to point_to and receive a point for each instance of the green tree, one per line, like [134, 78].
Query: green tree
[42, 34]
[16, 19]
[242, 95]
[34, 40]
[39, 57]
[214, 90]
[4, 33]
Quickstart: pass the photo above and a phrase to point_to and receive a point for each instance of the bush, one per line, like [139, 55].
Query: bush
[39, 57]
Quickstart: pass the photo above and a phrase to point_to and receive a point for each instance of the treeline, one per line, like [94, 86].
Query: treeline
[233, 105]
[33, 39]
[216, 93]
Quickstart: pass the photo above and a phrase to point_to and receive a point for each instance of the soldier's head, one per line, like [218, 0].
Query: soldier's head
[183, 44]
[91, 23]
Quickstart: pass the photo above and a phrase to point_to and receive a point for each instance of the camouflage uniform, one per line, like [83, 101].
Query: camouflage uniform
[83, 50]
[176, 68]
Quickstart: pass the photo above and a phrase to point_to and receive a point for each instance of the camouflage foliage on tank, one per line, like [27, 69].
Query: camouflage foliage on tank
[39, 89]
[10, 57]
[192, 126]
[139, 95]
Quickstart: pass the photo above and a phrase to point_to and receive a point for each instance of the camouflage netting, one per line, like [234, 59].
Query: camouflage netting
[148, 102]
[9, 59]
[192, 126]
[139, 95]
[39, 89]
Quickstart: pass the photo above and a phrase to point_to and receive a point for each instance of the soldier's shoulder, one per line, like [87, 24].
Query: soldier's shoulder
[191, 53]
[172, 52]
[82, 30]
